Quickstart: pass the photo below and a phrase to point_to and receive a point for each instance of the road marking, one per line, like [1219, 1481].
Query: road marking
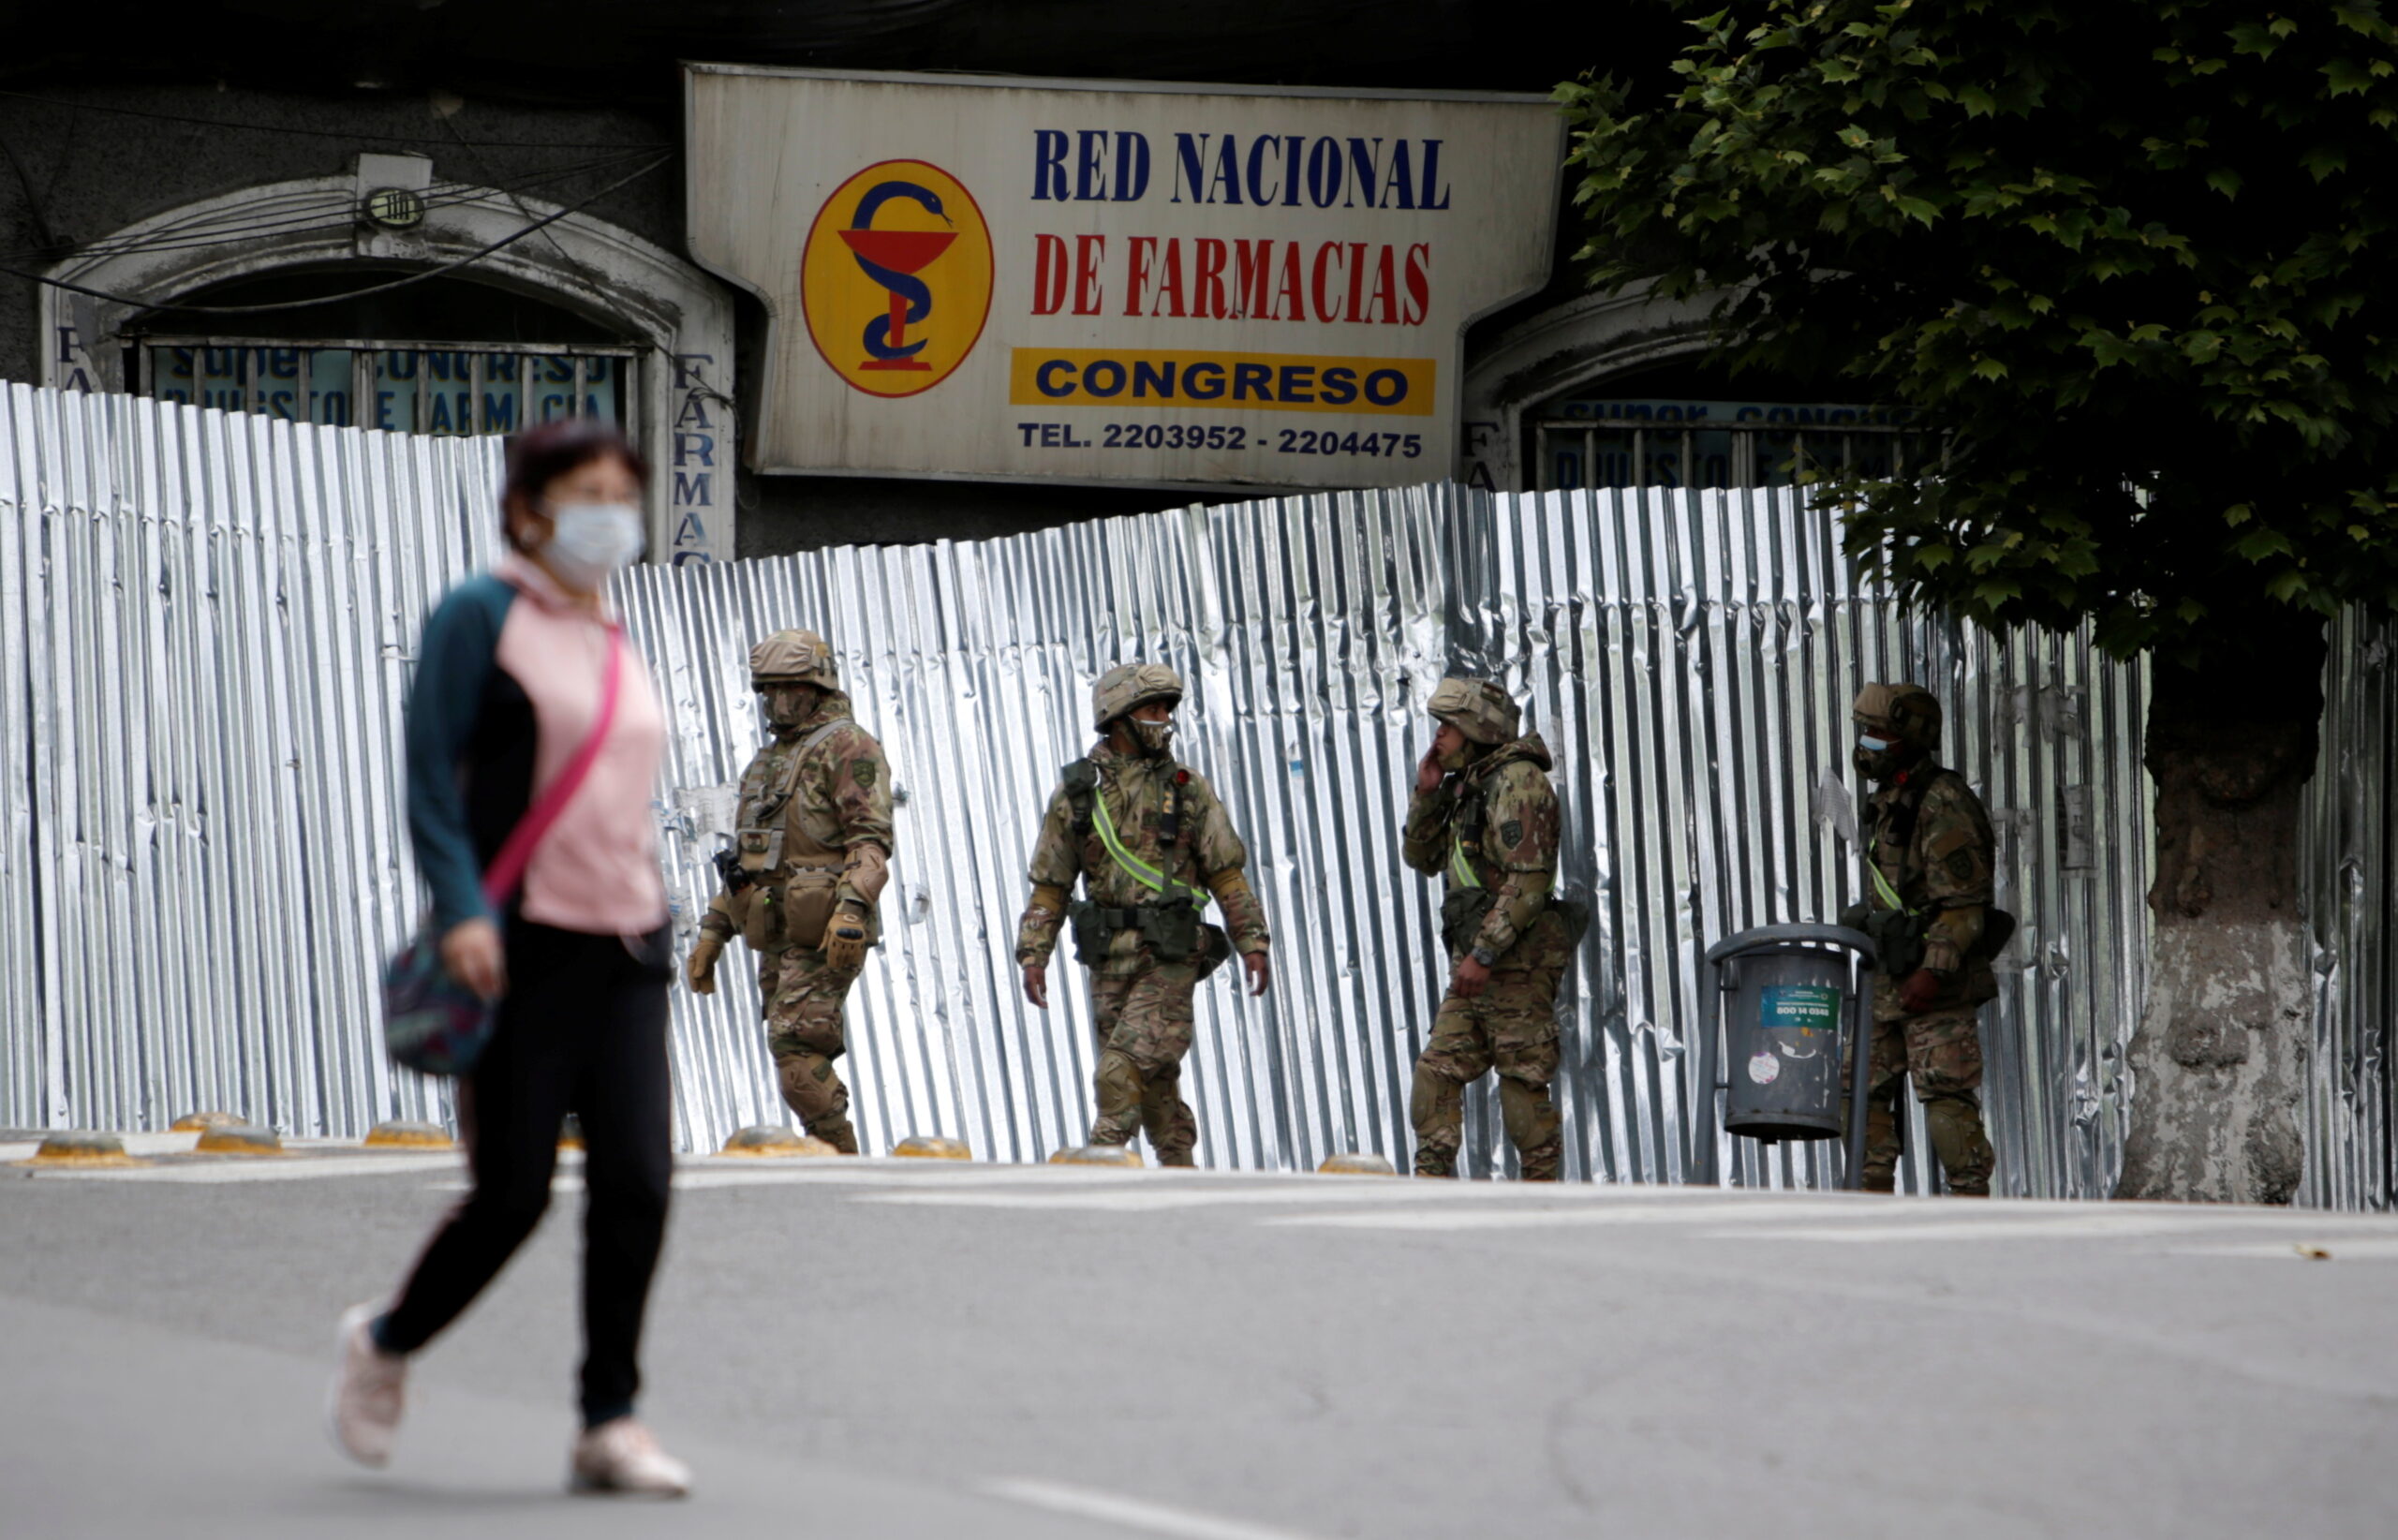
[1297, 1190]
[1583, 1214]
[820, 1172]
[1154, 1517]
[2000, 1225]
[2341, 1248]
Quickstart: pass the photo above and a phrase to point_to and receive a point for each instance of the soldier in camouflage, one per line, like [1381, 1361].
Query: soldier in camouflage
[1485, 819]
[811, 851]
[1150, 844]
[1929, 856]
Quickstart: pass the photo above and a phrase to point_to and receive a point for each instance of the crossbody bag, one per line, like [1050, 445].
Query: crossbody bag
[433, 1023]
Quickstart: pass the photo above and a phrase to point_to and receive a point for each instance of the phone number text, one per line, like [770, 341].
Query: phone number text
[1221, 439]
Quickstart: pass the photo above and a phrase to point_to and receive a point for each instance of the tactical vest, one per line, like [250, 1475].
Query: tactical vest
[788, 898]
[1897, 924]
[1468, 902]
[1171, 921]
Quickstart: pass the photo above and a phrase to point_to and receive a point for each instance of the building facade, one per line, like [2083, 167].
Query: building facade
[427, 223]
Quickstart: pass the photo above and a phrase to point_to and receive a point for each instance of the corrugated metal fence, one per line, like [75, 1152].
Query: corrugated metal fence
[206, 621]
[2349, 874]
[206, 860]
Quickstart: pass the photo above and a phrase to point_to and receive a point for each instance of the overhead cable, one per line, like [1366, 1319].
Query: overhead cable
[327, 133]
[451, 266]
[292, 213]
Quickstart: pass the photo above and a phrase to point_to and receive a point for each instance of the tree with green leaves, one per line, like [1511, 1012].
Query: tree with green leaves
[2136, 262]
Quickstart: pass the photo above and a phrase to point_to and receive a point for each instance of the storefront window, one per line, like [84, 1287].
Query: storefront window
[416, 389]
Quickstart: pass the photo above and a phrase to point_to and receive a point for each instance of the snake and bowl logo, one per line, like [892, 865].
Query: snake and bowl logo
[897, 277]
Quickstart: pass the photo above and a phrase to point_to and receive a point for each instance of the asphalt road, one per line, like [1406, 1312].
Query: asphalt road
[881, 1348]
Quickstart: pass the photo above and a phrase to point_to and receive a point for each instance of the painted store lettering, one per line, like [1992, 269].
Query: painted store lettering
[1210, 278]
[693, 500]
[1269, 381]
[1101, 173]
[1265, 170]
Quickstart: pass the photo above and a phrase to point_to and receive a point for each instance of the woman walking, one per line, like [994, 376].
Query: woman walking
[520, 670]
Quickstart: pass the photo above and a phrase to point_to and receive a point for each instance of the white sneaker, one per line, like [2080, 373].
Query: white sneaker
[619, 1456]
[369, 1391]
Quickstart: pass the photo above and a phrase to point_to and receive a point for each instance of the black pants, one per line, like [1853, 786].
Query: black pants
[583, 1030]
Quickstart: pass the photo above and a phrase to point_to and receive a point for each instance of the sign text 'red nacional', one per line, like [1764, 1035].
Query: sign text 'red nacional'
[1097, 282]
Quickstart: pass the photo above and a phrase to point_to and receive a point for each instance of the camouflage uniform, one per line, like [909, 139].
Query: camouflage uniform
[1168, 819]
[1492, 829]
[1930, 838]
[824, 787]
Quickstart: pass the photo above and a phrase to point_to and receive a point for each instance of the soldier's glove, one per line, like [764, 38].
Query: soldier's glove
[1855, 916]
[845, 942]
[699, 970]
[1920, 990]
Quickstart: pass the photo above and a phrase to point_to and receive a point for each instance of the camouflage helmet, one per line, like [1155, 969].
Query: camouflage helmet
[1908, 712]
[1128, 685]
[1478, 708]
[793, 658]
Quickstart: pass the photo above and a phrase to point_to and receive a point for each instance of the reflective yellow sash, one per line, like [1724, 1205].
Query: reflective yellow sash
[1890, 894]
[1134, 867]
[1460, 867]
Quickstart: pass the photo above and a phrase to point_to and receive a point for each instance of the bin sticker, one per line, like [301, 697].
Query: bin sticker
[1764, 1067]
[1799, 1008]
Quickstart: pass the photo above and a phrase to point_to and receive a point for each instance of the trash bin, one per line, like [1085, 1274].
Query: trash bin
[1779, 1007]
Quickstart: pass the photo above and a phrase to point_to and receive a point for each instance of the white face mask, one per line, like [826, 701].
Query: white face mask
[590, 542]
[1155, 738]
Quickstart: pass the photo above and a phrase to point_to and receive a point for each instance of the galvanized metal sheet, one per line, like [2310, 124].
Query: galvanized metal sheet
[2347, 873]
[209, 620]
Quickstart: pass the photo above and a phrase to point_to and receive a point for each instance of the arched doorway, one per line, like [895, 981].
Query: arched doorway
[1625, 391]
[384, 299]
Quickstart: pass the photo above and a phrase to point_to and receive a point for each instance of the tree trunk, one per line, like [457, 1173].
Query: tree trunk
[2218, 1065]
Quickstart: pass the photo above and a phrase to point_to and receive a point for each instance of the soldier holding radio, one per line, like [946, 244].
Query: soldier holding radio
[1485, 819]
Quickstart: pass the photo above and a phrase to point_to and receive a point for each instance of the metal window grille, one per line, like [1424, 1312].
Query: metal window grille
[1575, 453]
[443, 390]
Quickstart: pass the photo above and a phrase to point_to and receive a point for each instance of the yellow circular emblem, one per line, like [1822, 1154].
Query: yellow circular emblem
[897, 277]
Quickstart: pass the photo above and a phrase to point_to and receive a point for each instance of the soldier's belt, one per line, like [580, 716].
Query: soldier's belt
[1173, 928]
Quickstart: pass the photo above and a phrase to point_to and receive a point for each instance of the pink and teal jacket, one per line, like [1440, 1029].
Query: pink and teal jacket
[508, 685]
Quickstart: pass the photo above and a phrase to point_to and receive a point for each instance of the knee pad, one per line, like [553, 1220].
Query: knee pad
[1434, 1095]
[1118, 1082]
[809, 1086]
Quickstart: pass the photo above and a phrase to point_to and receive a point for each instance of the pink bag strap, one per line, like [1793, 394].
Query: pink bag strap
[507, 866]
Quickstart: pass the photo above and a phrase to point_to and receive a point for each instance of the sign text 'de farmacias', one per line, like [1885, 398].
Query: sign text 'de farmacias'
[1119, 284]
